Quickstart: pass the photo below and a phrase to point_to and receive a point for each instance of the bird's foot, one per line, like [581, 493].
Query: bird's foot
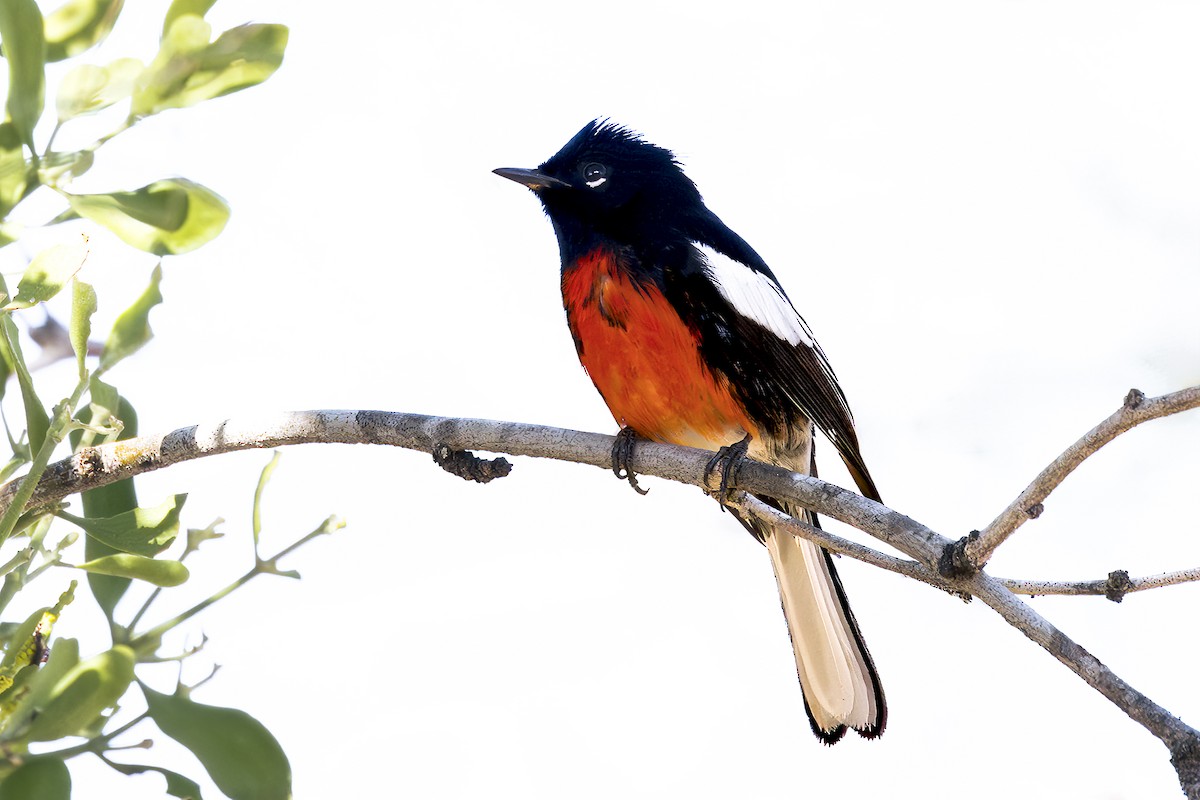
[622, 452]
[728, 459]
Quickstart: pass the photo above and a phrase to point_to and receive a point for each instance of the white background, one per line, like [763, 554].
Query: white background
[988, 213]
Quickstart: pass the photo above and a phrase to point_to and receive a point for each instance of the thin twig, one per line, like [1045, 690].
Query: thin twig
[262, 566]
[750, 505]
[1115, 586]
[97, 744]
[1028, 505]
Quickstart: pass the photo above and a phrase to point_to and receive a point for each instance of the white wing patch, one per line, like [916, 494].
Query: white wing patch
[754, 295]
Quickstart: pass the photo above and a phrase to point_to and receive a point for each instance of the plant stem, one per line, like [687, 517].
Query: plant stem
[157, 632]
[54, 436]
[261, 567]
[97, 744]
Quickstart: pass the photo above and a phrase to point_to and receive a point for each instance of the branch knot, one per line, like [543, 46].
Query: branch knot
[468, 466]
[955, 562]
[1117, 585]
[1134, 399]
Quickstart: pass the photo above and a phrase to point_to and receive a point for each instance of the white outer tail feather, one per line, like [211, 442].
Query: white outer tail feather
[835, 674]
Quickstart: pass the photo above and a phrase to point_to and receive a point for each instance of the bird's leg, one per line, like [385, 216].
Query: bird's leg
[729, 458]
[622, 451]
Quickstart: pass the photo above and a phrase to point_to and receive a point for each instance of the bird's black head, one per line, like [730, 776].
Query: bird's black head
[609, 181]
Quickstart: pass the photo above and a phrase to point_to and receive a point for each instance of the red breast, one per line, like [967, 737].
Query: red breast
[645, 360]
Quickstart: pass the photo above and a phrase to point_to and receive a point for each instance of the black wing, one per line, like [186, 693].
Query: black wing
[751, 332]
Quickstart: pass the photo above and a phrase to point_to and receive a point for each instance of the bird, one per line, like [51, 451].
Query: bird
[690, 339]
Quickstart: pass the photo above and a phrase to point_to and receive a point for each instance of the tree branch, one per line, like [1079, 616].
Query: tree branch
[1181, 740]
[104, 464]
[1114, 587]
[1028, 505]
[751, 506]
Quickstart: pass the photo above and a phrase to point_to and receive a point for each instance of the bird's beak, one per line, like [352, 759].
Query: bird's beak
[532, 178]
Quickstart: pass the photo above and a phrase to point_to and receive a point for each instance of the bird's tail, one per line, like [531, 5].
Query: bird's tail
[841, 687]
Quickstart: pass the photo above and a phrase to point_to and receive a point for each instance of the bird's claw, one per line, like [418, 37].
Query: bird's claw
[622, 452]
[728, 459]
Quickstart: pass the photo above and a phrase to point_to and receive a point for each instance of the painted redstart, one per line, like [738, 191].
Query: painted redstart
[690, 339]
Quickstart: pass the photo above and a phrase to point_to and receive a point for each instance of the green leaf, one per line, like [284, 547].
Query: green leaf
[6, 364]
[177, 785]
[48, 273]
[256, 517]
[15, 651]
[242, 757]
[64, 655]
[142, 531]
[58, 169]
[189, 69]
[14, 171]
[167, 217]
[83, 305]
[106, 397]
[107, 589]
[36, 420]
[89, 88]
[83, 694]
[198, 536]
[180, 7]
[79, 25]
[107, 501]
[10, 232]
[132, 329]
[40, 778]
[25, 51]
[157, 571]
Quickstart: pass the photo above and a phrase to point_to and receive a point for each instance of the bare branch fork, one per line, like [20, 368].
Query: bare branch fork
[935, 559]
[1135, 410]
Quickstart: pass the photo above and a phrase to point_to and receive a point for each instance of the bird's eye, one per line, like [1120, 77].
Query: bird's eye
[594, 175]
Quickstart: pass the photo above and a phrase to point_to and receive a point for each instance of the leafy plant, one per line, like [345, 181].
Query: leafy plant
[49, 691]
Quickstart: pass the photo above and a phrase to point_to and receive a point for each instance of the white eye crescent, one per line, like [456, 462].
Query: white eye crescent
[595, 175]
